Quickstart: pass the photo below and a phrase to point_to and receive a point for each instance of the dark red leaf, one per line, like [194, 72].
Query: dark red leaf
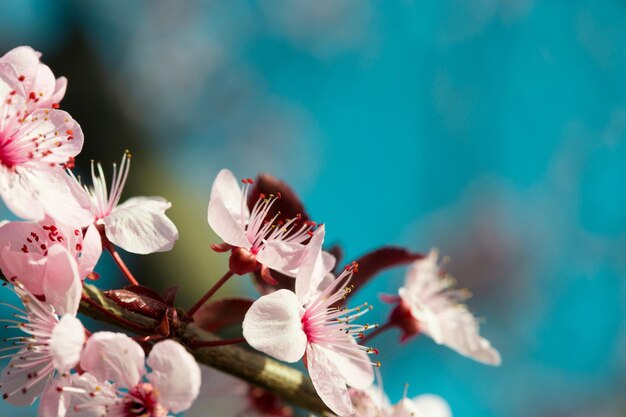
[216, 315]
[138, 302]
[283, 282]
[170, 296]
[288, 204]
[373, 263]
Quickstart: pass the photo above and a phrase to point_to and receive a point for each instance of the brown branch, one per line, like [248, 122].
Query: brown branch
[286, 382]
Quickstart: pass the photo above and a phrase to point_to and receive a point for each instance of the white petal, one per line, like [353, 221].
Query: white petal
[328, 382]
[28, 268]
[357, 372]
[140, 225]
[90, 252]
[18, 194]
[105, 396]
[225, 210]
[431, 405]
[62, 285]
[459, 331]
[313, 268]
[114, 357]
[59, 196]
[273, 325]
[66, 343]
[53, 402]
[175, 374]
[284, 257]
[16, 376]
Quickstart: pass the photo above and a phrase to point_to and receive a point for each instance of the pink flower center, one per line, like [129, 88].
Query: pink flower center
[39, 243]
[260, 229]
[104, 201]
[333, 327]
[143, 401]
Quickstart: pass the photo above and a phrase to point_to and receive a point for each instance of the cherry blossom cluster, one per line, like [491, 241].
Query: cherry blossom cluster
[301, 315]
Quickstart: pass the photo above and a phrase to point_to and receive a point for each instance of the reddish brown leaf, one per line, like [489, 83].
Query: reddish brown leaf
[288, 204]
[216, 315]
[373, 263]
[283, 282]
[138, 300]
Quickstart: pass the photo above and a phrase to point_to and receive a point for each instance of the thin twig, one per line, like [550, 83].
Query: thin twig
[209, 293]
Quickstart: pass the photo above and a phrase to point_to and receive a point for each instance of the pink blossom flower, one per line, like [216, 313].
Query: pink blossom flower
[288, 325]
[54, 336]
[36, 142]
[428, 303]
[427, 405]
[23, 71]
[116, 383]
[25, 252]
[371, 402]
[255, 242]
[139, 225]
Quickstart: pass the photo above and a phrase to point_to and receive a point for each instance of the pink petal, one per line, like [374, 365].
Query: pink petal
[20, 61]
[327, 380]
[225, 210]
[91, 251]
[314, 267]
[432, 406]
[356, 372]
[115, 357]
[28, 268]
[460, 332]
[48, 136]
[44, 88]
[405, 408]
[273, 325]
[62, 285]
[59, 90]
[175, 374]
[106, 396]
[53, 402]
[17, 375]
[60, 197]
[140, 225]
[284, 257]
[19, 194]
[66, 343]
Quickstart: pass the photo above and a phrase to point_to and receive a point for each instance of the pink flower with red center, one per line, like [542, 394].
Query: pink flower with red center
[36, 142]
[53, 339]
[138, 225]
[256, 242]
[25, 252]
[428, 303]
[116, 383]
[288, 325]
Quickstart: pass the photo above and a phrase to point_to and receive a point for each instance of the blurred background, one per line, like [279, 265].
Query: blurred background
[494, 130]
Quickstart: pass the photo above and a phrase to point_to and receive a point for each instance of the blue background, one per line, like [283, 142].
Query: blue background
[494, 130]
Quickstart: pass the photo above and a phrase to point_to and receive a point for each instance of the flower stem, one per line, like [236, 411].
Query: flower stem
[215, 343]
[121, 320]
[376, 332]
[209, 293]
[120, 263]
